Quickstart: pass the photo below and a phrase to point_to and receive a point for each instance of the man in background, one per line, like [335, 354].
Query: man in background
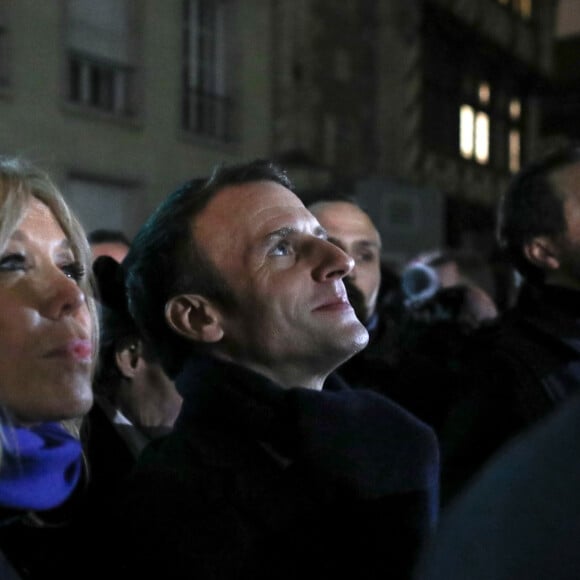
[112, 243]
[529, 363]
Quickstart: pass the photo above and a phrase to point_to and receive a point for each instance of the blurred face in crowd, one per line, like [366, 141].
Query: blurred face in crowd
[292, 320]
[117, 250]
[352, 230]
[45, 325]
[566, 248]
[148, 397]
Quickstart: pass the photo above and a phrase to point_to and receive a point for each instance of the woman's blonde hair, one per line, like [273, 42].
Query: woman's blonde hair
[20, 181]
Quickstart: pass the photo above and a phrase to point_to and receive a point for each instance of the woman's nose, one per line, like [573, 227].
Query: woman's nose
[63, 296]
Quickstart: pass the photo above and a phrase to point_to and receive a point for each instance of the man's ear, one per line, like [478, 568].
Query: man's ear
[127, 358]
[542, 252]
[194, 317]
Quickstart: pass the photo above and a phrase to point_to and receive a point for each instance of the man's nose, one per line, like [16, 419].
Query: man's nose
[332, 262]
[62, 296]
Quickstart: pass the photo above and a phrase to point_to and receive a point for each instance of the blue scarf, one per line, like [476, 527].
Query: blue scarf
[39, 468]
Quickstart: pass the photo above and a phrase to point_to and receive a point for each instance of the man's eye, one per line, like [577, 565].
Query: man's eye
[12, 262]
[75, 271]
[365, 257]
[281, 249]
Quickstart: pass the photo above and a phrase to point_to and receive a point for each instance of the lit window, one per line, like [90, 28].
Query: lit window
[515, 109]
[482, 137]
[466, 128]
[525, 8]
[100, 74]
[207, 107]
[514, 150]
[484, 93]
[474, 134]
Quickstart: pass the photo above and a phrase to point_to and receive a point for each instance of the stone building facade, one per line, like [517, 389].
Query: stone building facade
[123, 100]
[426, 96]
[423, 107]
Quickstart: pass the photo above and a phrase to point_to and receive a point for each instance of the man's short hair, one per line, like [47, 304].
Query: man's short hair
[532, 207]
[333, 197]
[165, 259]
[105, 236]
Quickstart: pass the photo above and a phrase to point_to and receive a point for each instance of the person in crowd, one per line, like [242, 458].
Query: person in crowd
[434, 272]
[351, 229]
[135, 401]
[416, 336]
[47, 343]
[520, 518]
[528, 363]
[274, 468]
[105, 242]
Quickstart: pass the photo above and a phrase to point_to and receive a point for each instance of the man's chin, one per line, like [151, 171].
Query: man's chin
[362, 339]
[359, 338]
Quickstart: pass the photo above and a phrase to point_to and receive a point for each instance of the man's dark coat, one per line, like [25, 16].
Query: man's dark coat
[257, 481]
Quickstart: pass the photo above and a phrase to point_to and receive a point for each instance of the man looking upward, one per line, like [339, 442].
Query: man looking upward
[274, 469]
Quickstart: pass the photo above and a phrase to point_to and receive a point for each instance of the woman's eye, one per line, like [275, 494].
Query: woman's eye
[75, 271]
[12, 262]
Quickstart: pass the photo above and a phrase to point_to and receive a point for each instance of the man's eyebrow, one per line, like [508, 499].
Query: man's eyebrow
[284, 232]
[367, 244]
[280, 233]
[336, 242]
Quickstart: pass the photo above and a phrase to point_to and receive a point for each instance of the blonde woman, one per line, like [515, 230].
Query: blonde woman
[47, 345]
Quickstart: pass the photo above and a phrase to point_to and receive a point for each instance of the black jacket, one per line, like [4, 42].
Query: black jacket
[520, 519]
[520, 369]
[257, 481]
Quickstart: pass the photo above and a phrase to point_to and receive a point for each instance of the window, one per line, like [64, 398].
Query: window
[525, 8]
[466, 130]
[207, 104]
[521, 7]
[514, 137]
[474, 127]
[100, 71]
[103, 204]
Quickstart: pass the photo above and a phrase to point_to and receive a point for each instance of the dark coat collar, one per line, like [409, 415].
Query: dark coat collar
[358, 439]
[552, 310]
